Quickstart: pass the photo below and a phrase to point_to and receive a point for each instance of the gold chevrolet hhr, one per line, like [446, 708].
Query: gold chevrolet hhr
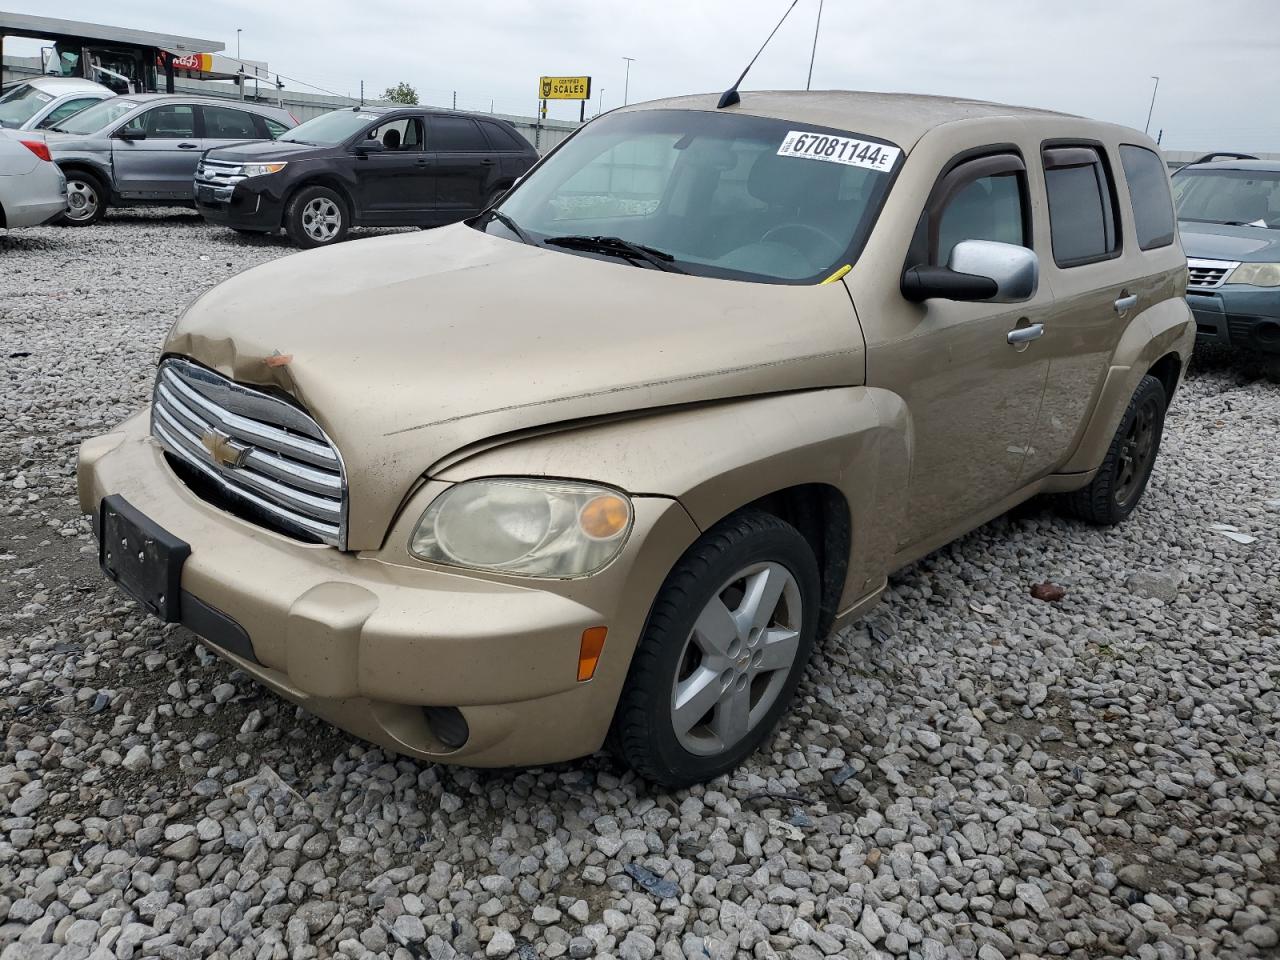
[605, 462]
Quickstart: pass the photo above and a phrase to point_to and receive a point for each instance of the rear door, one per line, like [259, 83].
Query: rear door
[227, 125]
[1100, 285]
[162, 164]
[395, 186]
[466, 167]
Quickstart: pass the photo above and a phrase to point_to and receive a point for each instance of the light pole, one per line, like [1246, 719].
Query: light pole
[814, 52]
[626, 88]
[238, 42]
[599, 101]
[1152, 108]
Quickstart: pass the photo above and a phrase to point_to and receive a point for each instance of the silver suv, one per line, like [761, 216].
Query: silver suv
[144, 148]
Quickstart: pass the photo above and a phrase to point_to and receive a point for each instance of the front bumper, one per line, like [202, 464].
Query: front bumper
[1238, 315]
[239, 207]
[368, 640]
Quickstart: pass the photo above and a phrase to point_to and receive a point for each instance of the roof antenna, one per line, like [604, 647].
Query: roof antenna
[730, 96]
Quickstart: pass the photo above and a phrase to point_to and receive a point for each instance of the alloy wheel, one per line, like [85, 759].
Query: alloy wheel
[737, 658]
[82, 200]
[321, 219]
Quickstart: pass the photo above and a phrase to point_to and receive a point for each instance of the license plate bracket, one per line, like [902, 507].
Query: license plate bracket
[142, 557]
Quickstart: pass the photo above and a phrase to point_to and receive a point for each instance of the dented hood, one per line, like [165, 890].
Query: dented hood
[409, 347]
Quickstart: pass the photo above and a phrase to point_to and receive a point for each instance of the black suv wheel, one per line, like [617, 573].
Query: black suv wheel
[316, 217]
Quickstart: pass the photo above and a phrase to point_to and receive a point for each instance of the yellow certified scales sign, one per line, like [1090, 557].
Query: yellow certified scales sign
[564, 88]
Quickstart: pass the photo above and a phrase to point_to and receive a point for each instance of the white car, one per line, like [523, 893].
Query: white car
[43, 102]
[32, 188]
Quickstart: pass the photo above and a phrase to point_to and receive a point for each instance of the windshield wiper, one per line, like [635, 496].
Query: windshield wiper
[511, 225]
[618, 247]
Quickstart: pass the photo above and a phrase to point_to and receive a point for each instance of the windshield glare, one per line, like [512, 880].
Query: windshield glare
[92, 119]
[1250, 197]
[725, 195]
[330, 128]
[20, 104]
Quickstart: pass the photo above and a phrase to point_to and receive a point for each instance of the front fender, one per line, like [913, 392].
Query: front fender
[1166, 328]
[715, 458]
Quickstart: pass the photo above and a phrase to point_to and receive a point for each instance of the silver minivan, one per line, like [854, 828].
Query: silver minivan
[144, 148]
[44, 102]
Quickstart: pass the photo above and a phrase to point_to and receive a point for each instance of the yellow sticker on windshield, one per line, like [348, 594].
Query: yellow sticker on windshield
[847, 150]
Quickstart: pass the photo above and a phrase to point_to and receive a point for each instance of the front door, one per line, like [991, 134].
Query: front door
[161, 164]
[973, 396]
[396, 185]
[467, 168]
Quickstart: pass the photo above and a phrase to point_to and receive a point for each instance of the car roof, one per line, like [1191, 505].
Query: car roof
[900, 117]
[148, 98]
[1261, 166]
[61, 85]
[383, 108]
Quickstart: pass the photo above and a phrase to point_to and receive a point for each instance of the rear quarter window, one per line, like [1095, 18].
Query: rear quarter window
[1149, 196]
[503, 138]
[1083, 221]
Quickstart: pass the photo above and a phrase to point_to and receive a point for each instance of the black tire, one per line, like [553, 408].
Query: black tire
[1122, 479]
[643, 734]
[84, 183]
[1271, 369]
[298, 216]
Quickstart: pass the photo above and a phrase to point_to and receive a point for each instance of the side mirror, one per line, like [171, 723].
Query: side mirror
[978, 270]
[369, 146]
[131, 133]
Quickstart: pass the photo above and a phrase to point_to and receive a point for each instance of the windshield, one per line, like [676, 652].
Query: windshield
[92, 119]
[1245, 197]
[20, 104]
[723, 195]
[330, 128]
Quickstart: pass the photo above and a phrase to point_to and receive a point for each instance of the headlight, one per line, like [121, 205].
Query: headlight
[1258, 274]
[533, 528]
[261, 169]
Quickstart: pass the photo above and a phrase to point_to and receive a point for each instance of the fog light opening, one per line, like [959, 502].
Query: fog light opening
[1267, 333]
[447, 725]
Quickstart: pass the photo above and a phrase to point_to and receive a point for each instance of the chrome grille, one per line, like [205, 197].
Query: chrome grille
[219, 173]
[1207, 274]
[253, 447]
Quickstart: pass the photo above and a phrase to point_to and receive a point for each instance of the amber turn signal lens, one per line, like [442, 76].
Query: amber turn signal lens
[604, 517]
[589, 651]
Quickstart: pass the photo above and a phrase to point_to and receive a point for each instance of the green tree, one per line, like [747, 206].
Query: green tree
[400, 93]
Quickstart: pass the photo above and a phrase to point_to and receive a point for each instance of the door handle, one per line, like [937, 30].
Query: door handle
[1126, 303]
[1026, 334]
[487, 161]
[188, 146]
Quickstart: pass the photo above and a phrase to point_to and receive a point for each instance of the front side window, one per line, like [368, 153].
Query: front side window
[227, 123]
[724, 195]
[100, 115]
[403, 134]
[1238, 197]
[988, 208]
[1082, 219]
[1148, 181]
[172, 121]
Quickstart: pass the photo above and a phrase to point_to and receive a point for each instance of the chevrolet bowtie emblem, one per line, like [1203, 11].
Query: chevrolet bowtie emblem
[224, 450]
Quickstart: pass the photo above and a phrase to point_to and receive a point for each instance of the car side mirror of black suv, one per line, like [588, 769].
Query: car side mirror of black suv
[369, 146]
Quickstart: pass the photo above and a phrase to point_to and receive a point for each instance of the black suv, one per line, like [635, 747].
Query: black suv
[367, 166]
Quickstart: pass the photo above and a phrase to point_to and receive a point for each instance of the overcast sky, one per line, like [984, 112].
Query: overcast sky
[1218, 60]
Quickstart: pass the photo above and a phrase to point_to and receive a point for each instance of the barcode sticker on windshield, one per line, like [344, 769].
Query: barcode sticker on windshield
[366, 116]
[847, 150]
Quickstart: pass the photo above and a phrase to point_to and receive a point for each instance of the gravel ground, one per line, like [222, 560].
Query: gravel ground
[969, 773]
